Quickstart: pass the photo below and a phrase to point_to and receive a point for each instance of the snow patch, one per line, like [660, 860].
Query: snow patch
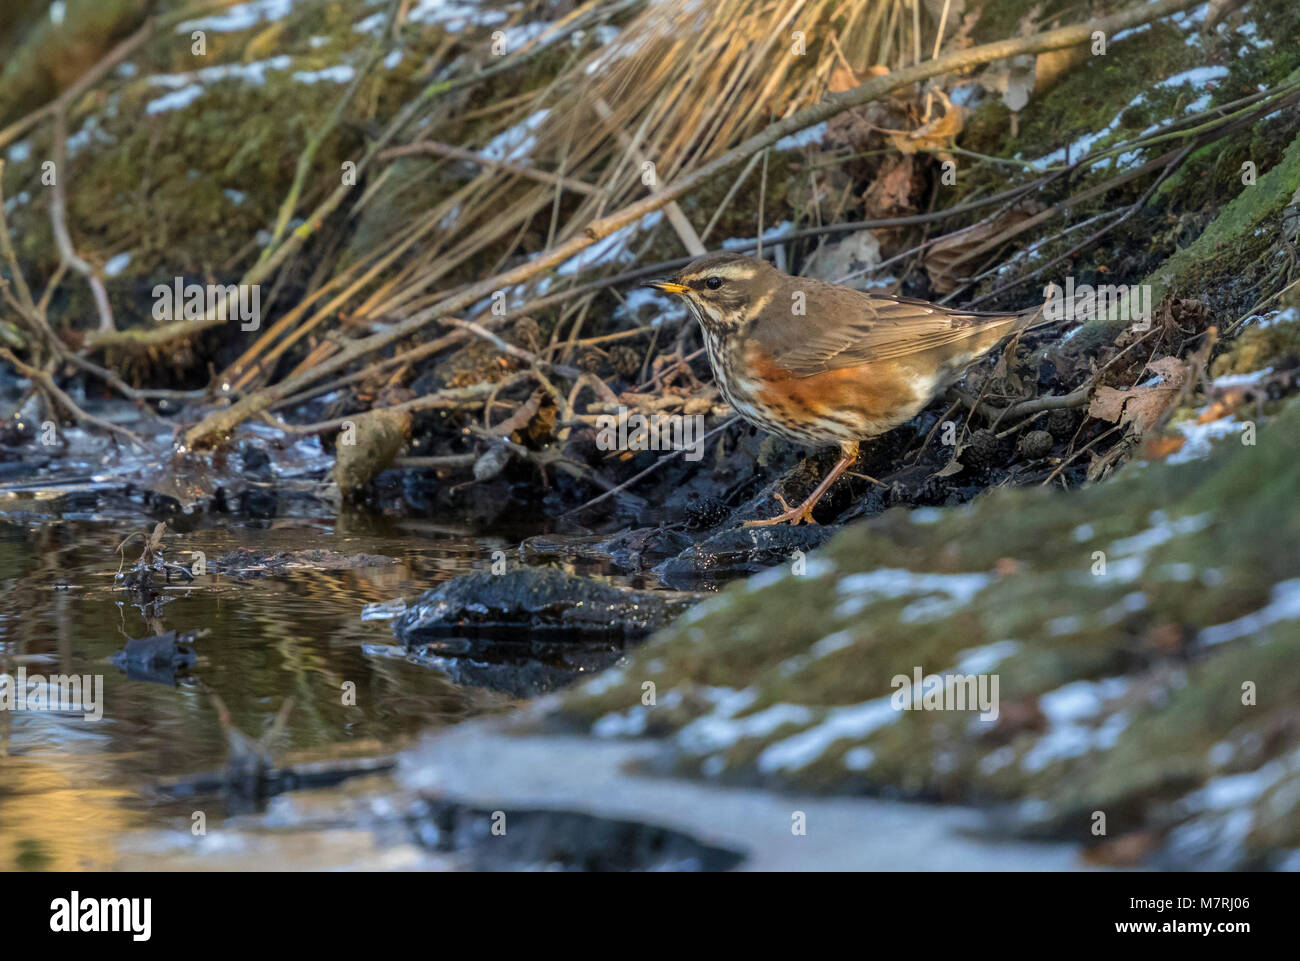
[242, 16]
[862, 590]
[1283, 605]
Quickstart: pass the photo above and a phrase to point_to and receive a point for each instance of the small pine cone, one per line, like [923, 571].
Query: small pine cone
[985, 451]
[526, 334]
[625, 361]
[591, 361]
[1062, 424]
[1036, 444]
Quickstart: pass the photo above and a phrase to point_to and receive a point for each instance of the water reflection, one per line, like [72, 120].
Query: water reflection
[69, 788]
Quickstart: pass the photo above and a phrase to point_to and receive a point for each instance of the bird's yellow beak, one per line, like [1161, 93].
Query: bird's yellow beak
[668, 286]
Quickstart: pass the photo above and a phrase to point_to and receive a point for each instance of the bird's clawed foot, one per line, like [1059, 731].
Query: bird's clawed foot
[848, 454]
[792, 514]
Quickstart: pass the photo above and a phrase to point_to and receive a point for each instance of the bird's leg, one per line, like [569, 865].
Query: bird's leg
[848, 454]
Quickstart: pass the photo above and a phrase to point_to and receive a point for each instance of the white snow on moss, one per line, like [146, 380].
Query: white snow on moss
[340, 73]
[1161, 531]
[115, 265]
[1068, 710]
[254, 73]
[808, 137]
[855, 721]
[516, 143]
[981, 660]
[454, 16]
[831, 643]
[1195, 78]
[858, 721]
[1199, 439]
[629, 723]
[1283, 605]
[611, 249]
[860, 591]
[713, 733]
[1240, 380]
[243, 16]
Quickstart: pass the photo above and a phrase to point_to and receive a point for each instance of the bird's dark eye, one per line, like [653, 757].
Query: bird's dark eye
[713, 283]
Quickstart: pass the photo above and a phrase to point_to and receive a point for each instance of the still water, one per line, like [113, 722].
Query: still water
[71, 788]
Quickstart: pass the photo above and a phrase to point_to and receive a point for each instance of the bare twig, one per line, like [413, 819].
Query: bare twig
[59, 223]
[649, 470]
[680, 223]
[46, 381]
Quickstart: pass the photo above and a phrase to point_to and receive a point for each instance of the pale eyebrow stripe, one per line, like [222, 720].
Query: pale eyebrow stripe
[726, 271]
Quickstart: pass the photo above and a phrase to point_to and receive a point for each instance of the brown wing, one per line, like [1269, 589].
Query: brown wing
[849, 327]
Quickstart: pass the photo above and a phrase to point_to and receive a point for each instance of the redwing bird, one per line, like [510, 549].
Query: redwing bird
[822, 364]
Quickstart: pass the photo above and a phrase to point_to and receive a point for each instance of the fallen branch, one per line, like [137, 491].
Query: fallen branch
[450, 398]
[1034, 405]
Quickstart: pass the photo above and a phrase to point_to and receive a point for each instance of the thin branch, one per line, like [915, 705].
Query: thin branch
[47, 383]
[59, 223]
[649, 470]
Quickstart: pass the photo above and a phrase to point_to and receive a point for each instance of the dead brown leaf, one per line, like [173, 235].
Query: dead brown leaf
[945, 255]
[1158, 448]
[895, 190]
[938, 134]
[1142, 406]
[842, 78]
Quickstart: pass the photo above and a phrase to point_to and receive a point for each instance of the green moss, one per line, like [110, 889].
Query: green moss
[1185, 547]
[1118, 94]
[185, 190]
[42, 59]
[1257, 347]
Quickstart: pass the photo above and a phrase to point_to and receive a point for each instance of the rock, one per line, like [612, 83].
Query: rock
[159, 658]
[533, 599]
[858, 253]
[565, 840]
[375, 439]
[631, 550]
[521, 670]
[741, 551]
